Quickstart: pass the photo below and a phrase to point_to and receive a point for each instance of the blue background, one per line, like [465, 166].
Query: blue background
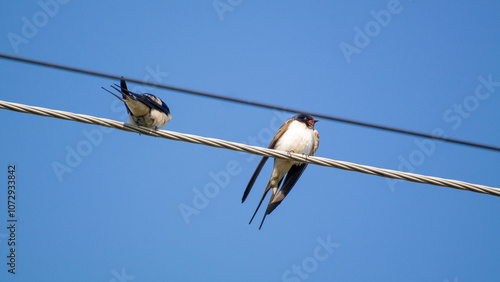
[115, 212]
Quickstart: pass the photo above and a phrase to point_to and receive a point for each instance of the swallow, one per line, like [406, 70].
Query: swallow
[143, 109]
[296, 135]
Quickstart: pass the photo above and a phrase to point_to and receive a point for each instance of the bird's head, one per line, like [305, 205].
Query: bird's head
[308, 120]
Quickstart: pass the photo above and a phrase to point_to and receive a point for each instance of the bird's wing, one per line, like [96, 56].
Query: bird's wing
[291, 178]
[149, 100]
[316, 143]
[152, 101]
[254, 177]
[278, 135]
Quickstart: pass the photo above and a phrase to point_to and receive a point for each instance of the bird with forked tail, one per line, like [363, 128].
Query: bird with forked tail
[143, 109]
[296, 135]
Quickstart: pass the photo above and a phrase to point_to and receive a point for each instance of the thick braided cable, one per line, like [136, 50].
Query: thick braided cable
[251, 149]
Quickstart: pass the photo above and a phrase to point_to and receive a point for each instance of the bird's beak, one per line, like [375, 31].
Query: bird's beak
[312, 122]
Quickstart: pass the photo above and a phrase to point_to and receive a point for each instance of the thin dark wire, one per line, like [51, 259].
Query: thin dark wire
[247, 102]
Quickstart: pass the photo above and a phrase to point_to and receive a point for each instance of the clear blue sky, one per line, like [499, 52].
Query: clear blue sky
[114, 213]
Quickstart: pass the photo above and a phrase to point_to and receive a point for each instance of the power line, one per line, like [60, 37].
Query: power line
[252, 103]
[251, 149]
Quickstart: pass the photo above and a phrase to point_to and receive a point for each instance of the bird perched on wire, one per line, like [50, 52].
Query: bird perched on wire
[143, 109]
[296, 135]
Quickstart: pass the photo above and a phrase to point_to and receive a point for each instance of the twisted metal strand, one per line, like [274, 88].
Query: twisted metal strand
[252, 149]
